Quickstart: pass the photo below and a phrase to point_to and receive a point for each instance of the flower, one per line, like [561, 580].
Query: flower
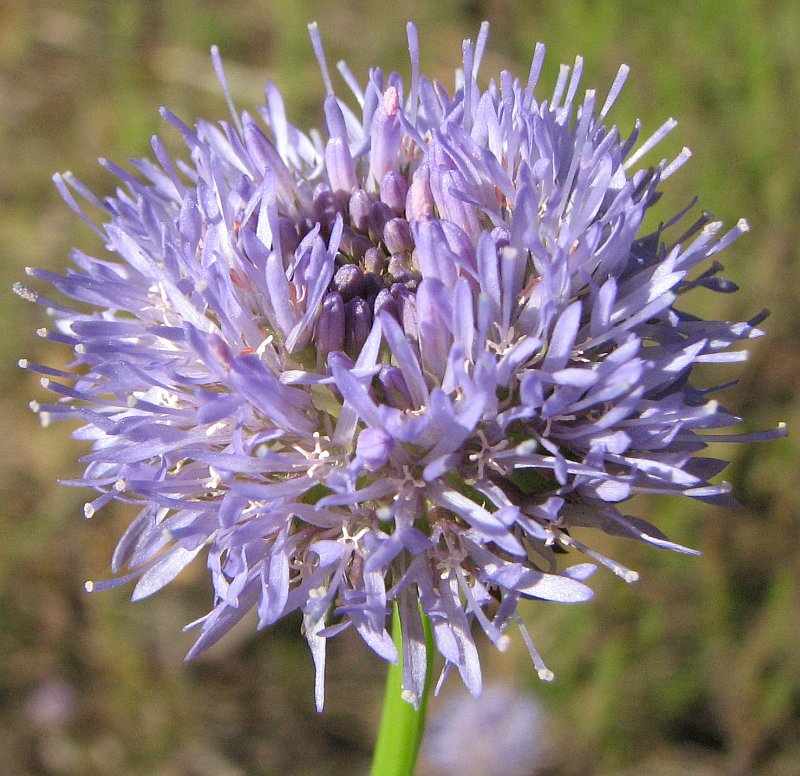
[504, 733]
[394, 362]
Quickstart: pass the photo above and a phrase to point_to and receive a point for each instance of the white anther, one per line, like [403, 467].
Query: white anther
[214, 480]
[220, 425]
[485, 457]
[264, 345]
[348, 538]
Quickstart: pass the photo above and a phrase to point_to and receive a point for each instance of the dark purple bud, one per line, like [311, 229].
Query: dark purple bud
[409, 279]
[372, 285]
[330, 326]
[373, 448]
[353, 244]
[406, 310]
[360, 246]
[357, 325]
[399, 264]
[360, 203]
[397, 236]
[349, 281]
[346, 240]
[324, 204]
[379, 214]
[394, 190]
[375, 260]
[384, 301]
[395, 390]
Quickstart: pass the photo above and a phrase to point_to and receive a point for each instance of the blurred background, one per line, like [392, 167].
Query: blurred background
[694, 670]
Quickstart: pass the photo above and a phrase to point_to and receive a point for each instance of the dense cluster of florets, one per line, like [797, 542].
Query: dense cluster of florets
[394, 363]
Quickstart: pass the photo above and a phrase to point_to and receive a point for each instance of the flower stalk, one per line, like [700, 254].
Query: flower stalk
[402, 723]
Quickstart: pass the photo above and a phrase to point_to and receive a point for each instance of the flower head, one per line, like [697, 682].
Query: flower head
[392, 362]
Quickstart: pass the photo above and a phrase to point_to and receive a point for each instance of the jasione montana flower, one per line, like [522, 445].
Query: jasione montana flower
[397, 361]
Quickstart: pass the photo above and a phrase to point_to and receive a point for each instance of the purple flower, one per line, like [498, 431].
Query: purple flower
[504, 732]
[396, 361]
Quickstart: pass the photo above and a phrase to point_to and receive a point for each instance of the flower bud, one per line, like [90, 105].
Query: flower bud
[341, 169]
[357, 325]
[395, 390]
[379, 214]
[399, 264]
[373, 448]
[289, 239]
[375, 260]
[360, 203]
[385, 134]
[406, 309]
[330, 326]
[324, 204]
[397, 236]
[394, 190]
[349, 281]
[360, 246]
[419, 202]
[384, 301]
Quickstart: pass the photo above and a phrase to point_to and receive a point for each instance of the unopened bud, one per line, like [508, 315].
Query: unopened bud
[358, 323]
[330, 326]
[394, 190]
[360, 203]
[397, 236]
[349, 281]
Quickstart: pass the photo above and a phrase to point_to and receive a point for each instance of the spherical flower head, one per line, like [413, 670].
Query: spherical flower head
[394, 362]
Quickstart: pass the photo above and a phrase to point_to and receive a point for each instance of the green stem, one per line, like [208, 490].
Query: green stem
[401, 728]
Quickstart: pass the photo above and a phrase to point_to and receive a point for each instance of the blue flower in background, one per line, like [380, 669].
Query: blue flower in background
[396, 361]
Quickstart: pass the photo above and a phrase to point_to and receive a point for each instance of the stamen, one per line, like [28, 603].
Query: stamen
[621, 571]
[24, 292]
[545, 674]
[499, 639]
